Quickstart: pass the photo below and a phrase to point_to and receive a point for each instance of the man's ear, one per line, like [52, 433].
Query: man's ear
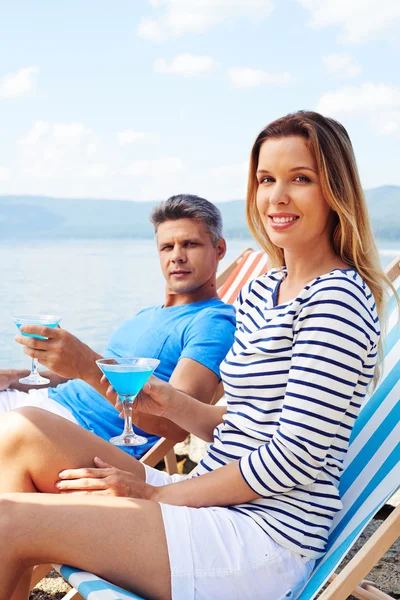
[221, 248]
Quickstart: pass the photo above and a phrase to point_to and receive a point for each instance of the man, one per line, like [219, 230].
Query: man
[190, 333]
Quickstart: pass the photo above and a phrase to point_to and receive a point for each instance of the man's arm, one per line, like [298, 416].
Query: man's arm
[64, 355]
[192, 378]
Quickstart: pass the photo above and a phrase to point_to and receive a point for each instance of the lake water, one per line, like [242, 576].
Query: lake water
[95, 285]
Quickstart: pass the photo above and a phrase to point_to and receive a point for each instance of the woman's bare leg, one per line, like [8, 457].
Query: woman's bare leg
[24, 586]
[36, 445]
[120, 539]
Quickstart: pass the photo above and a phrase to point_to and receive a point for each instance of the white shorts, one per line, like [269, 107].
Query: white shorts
[12, 399]
[217, 554]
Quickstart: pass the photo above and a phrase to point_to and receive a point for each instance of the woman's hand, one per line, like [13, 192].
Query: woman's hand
[104, 480]
[154, 399]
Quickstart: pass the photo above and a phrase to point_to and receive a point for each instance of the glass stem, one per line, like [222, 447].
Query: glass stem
[127, 403]
[34, 370]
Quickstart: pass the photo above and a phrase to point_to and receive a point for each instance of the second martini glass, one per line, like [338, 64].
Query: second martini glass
[47, 320]
[128, 376]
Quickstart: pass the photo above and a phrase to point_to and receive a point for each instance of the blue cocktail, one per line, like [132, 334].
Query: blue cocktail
[47, 321]
[127, 376]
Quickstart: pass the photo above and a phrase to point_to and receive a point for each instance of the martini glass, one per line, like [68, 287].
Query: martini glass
[48, 321]
[127, 376]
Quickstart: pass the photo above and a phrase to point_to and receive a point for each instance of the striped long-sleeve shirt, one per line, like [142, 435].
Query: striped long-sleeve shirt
[294, 380]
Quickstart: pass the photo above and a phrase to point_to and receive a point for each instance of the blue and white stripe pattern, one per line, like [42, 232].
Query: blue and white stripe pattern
[294, 380]
[372, 464]
[92, 587]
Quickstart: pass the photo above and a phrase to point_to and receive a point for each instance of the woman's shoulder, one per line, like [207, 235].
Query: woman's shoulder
[342, 280]
[343, 289]
[261, 285]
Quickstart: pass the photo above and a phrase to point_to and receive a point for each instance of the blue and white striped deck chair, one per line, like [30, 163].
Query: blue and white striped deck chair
[370, 477]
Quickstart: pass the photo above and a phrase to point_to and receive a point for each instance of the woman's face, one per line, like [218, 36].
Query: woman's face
[289, 198]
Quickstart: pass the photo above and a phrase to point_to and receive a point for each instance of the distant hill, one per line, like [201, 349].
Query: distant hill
[36, 217]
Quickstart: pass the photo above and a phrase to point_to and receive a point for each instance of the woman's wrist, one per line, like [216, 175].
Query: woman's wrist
[177, 405]
[152, 492]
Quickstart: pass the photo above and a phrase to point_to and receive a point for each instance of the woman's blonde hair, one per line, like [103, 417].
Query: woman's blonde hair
[352, 237]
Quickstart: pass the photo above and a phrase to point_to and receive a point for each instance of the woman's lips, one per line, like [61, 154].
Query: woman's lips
[281, 223]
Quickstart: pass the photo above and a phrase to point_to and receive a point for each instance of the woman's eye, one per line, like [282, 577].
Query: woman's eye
[266, 179]
[302, 178]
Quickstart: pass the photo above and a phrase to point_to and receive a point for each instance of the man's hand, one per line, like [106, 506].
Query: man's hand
[62, 352]
[104, 480]
[6, 379]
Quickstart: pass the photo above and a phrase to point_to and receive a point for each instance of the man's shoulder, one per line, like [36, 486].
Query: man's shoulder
[213, 309]
[145, 311]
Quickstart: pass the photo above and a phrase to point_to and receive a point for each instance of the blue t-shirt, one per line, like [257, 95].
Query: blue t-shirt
[202, 331]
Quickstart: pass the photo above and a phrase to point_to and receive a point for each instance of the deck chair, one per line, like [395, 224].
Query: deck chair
[370, 477]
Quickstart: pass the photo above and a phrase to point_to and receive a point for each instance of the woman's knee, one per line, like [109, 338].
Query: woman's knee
[18, 428]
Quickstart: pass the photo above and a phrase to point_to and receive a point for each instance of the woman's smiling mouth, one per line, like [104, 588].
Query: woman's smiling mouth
[281, 221]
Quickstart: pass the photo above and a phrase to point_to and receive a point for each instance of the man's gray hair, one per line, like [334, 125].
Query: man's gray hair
[188, 206]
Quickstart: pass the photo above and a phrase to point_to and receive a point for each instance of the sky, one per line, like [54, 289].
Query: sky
[141, 99]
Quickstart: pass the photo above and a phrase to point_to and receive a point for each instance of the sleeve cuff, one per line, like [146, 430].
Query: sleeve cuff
[250, 467]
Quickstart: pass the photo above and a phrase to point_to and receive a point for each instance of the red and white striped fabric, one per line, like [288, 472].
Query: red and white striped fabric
[252, 264]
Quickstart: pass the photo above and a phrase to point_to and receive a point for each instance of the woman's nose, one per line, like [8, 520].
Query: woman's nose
[279, 195]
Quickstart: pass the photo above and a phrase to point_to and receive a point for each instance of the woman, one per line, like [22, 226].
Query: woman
[257, 513]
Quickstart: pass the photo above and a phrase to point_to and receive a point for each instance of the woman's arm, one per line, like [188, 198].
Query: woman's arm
[331, 353]
[222, 487]
[163, 400]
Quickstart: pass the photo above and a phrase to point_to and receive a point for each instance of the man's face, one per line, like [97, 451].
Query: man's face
[187, 256]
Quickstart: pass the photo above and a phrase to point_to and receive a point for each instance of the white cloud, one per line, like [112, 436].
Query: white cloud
[169, 165]
[20, 83]
[58, 150]
[5, 173]
[379, 103]
[96, 171]
[368, 97]
[197, 16]
[187, 65]
[359, 20]
[133, 137]
[39, 129]
[342, 64]
[70, 131]
[242, 77]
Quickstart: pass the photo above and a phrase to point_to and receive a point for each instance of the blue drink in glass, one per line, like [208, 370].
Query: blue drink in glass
[44, 320]
[127, 376]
